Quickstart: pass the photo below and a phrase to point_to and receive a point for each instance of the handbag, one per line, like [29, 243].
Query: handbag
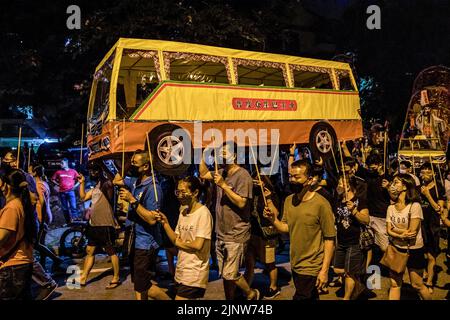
[366, 239]
[393, 258]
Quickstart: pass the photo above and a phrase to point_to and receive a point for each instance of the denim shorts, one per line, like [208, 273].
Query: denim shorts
[15, 282]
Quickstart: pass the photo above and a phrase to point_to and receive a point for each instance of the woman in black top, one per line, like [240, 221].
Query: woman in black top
[350, 260]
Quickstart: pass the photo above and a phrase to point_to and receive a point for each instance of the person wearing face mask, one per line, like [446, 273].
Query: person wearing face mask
[432, 205]
[137, 189]
[378, 198]
[65, 179]
[234, 191]
[17, 234]
[263, 239]
[352, 216]
[101, 231]
[403, 224]
[309, 220]
[406, 168]
[192, 237]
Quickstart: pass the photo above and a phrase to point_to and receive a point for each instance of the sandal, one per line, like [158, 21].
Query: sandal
[113, 285]
[336, 283]
[430, 287]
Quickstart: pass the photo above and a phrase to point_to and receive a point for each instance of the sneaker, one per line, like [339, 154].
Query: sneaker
[272, 293]
[47, 291]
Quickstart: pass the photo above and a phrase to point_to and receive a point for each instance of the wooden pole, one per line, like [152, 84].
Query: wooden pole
[385, 155]
[123, 147]
[216, 167]
[257, 172]
[343, 170]
[18, 148]
[276, 150]
[81, 145]
[440, 175]
[434, 177]
[151, 168]
[29, 157]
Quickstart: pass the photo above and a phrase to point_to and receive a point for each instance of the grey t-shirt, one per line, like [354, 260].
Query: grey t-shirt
[233, 223]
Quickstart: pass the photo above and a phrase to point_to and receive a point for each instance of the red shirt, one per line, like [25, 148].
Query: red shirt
[66, 179]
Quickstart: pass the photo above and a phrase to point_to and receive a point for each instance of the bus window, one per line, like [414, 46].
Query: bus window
[196, 68]
[260, 73]
[103, 81]
[345, 82]
[138, 77]
[309, 77]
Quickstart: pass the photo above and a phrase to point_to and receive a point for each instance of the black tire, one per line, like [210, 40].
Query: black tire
[159, 139]
[322, 141]
[73, 243]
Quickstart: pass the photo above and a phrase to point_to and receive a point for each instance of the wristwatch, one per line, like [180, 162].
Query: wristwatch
[134, 205]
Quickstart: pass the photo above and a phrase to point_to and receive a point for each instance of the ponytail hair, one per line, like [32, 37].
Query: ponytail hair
[39, 171]
[16, 180]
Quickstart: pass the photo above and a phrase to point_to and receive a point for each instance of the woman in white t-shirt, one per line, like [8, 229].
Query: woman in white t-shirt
[192, 237]
[404, 219]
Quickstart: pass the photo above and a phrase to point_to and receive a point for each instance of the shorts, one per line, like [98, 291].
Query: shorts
[350, 258]
[381, 237]
[432, 239]
[15, 282]
[262, 249]
[305, 287]
[101, 236]
[230, 256]
[416, 259]
[141, 275]
[188, 292]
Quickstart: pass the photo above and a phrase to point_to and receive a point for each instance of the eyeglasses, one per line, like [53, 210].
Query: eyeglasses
[179, 193]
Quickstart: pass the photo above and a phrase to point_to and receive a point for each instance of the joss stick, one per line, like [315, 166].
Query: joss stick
[123, 147]
[18, 147]
[343, 170]
[151, 168]
[257, 172]
[81, 145]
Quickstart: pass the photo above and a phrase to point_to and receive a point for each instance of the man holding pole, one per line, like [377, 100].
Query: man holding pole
[233, 205]
[143, 193]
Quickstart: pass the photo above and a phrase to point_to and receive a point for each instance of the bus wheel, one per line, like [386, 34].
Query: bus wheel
[322, 140]
[169, 150]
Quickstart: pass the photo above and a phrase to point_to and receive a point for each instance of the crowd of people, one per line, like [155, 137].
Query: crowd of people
[340, 217]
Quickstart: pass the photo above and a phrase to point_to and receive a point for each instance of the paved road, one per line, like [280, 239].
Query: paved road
[101, 275]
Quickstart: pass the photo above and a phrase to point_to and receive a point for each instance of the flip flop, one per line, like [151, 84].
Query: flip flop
[113, 285]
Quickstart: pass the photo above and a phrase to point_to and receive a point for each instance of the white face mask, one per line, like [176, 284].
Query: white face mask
[402, 171]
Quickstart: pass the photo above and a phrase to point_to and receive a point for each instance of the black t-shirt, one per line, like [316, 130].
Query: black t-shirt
[378, 199]
[258, 212]
[348, 227]
[431, 219]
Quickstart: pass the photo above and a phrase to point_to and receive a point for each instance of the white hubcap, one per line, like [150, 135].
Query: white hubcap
[170, 150]
[324, 141]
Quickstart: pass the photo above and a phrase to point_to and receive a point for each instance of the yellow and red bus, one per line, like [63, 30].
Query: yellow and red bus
[148, 88]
